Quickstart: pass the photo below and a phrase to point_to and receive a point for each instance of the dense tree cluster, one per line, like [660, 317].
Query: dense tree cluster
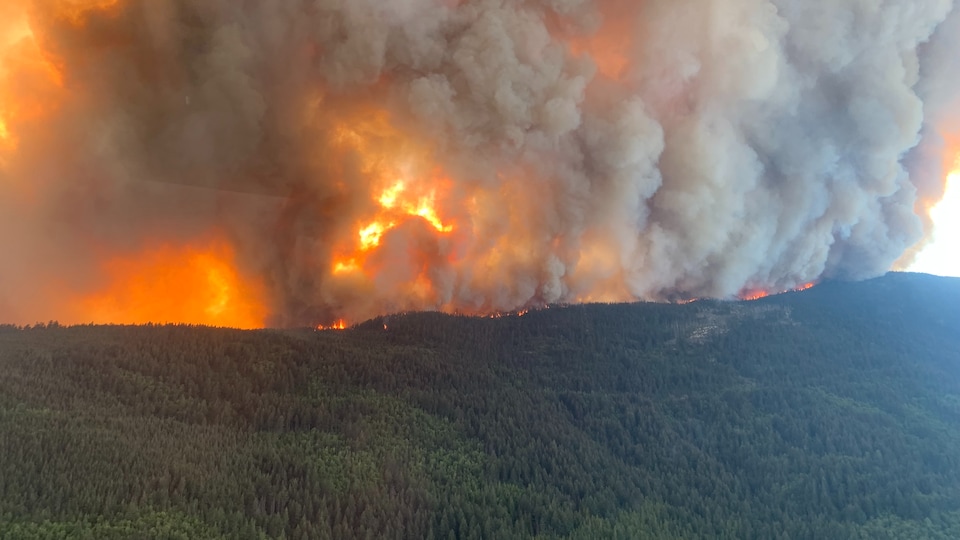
[831, 413]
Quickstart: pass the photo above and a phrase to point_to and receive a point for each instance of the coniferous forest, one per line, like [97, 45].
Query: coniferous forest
[828, 413]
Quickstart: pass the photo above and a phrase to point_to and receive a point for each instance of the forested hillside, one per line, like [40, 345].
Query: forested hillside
[828, 413]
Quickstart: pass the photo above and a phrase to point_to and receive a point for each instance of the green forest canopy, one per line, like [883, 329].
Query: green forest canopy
[827, 413]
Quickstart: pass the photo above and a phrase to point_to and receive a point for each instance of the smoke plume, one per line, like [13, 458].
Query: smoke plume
[328, 159]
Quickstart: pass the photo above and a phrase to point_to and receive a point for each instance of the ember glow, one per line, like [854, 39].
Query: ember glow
[318, 164]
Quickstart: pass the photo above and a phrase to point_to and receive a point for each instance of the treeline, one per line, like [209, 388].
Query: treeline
[832, 413]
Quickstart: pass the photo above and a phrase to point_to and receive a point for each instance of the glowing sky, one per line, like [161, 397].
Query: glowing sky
[942, 256]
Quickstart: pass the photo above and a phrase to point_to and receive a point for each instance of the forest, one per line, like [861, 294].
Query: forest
[827, 413]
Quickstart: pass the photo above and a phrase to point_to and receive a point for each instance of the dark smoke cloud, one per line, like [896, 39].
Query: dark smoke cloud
[594, 150]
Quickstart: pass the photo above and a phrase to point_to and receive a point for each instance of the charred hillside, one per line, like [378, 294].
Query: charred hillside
[827, 413]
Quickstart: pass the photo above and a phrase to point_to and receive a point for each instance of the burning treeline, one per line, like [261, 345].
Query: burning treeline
[310, 162]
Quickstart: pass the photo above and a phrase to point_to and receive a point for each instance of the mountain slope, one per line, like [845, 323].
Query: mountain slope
[827, 413]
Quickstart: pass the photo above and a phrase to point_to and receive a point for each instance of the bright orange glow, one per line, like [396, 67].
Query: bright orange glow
[392, 205]
[176, 284]
[754, 294]
[14, 29]
[343, 267]
[406, 186]
[339, 325]
[425, 210]
[31, 87]
[370, 235]
[941, 256]
[388, 199]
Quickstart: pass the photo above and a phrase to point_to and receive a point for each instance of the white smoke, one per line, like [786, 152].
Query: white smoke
[605, 149]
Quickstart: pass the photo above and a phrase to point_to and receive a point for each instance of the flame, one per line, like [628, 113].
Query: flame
[409, 186]
[340, 324]
[503, 314]
[388, 199]
[176, 284]
[753, 294]
[756, 294]
[370, 235]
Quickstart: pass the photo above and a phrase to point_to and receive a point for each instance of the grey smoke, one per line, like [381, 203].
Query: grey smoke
[745, 144]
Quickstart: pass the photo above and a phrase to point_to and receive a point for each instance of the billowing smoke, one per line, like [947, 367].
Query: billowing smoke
[359, 157]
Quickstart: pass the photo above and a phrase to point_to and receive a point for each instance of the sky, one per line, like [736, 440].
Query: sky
[942, 256]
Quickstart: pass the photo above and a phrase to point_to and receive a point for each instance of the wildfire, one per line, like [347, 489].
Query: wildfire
[176, 284]
[756, 294]
[410, 187]
[501, 315]
[340, 324]
[370, 235]
[515, 155]
[753, 294]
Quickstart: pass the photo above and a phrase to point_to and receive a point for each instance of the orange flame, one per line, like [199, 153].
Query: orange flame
[756, 294]
[409, 187]
[176, 284]
[340, 324]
